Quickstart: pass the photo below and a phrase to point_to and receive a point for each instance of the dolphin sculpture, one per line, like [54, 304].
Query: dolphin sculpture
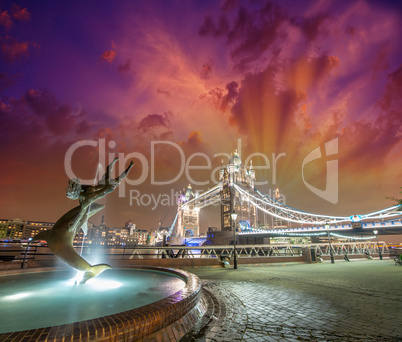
[60, 237]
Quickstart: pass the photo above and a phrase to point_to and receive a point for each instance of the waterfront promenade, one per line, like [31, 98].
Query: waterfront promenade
[346, 301]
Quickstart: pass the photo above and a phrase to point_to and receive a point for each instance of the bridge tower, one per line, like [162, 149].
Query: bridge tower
[236, 173]
[188, 218]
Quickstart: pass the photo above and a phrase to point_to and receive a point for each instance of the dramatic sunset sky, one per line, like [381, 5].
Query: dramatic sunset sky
[276, 77]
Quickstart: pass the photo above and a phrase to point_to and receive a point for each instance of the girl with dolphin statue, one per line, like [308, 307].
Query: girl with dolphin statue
[60, 237]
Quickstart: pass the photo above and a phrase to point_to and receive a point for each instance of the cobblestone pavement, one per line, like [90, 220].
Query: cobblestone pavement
[346, 301]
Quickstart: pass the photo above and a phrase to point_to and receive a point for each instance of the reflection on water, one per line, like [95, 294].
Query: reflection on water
[37, 300]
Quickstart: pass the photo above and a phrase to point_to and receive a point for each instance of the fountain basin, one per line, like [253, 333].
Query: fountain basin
[168, 306]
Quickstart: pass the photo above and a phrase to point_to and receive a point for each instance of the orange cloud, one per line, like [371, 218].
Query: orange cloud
[12, 49]
[5, 20]
[49, 127]
[312, 27]
[108, 56]
[20, 13]
[206, 70]
[266, 114]
[153, 121]
[309, 71]
[223, 101]
[194, 142]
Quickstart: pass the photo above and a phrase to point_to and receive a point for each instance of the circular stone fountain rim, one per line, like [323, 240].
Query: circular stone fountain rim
[138, 323]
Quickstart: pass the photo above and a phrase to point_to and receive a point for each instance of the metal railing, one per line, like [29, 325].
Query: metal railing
[39, 253]
[18, 253]
[351, 248]
[242, 251]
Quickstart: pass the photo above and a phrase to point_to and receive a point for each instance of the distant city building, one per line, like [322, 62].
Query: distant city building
[130, 224]
[101, 235]
[117, 236]
[18, 229]
[138, 237]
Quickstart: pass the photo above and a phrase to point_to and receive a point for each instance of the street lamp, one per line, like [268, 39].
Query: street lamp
[234, 217]
[330, 247]
[378, 246]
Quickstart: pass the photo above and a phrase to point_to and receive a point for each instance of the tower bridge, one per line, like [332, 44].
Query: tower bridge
[236, 192]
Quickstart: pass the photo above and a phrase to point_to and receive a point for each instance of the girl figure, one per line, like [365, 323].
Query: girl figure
[88, 194]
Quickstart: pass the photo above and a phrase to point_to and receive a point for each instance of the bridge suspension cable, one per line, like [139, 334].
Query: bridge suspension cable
[172, 226]
[208, 197]
[284, 212]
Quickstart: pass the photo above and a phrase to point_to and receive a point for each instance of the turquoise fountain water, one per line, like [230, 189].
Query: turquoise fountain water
[43, 299]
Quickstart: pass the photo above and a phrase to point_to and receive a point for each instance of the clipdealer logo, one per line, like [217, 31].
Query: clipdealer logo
[330, 193]
[185, 166]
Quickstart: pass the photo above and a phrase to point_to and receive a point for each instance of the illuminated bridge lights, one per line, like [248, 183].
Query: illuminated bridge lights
[366, 226]
[385, 218]
[284, 212]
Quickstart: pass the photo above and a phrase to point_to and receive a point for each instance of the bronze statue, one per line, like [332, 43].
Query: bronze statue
[60, 237]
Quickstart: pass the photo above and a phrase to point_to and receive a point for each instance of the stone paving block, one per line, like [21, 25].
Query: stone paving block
[315, 302]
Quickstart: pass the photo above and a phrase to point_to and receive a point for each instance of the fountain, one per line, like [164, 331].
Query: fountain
[106, 304]
[119, 304]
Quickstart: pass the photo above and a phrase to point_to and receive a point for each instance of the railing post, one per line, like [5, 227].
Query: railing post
[36, 249]
[378, 246]
[25, 256]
